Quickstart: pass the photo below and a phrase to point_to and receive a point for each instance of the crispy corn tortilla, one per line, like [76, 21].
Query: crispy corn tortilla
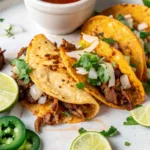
[126, 39]
[50, 75]
[111, 55]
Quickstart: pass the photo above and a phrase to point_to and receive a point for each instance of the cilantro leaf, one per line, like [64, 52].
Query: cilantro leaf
[87, 61]
[80, 85]
[82, 130]
[130, 121]
[138, 105]
[127, 144]
[103, 74]
[122, 19]
[147, 47]
[110, 41]
[132, 29]
[9, 34]
[144, 35]
[23, 69]
[111, 132]
[93, 82]
[132, 65]
[1, 19]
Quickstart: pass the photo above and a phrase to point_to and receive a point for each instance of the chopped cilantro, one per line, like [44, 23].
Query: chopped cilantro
[103, 74]
[122, 19]
[93, 82]
[111, 132]
[110, 41]
[132, 65]
[67, 113]
[127, 144]
[82, 130]
[130, 121]
[87, 61]
[80, 85]
[144, 35]
[148, 65]
[137, 106]
[147, 47]
[132, 29]
[23, 69]
[1, 19]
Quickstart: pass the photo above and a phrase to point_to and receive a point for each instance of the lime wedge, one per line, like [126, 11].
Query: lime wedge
[8, 92]
[90, 141]
[141, 115]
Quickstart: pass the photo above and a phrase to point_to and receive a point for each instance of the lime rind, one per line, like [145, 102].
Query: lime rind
[90, 140]
[142, 115]
[9, 92]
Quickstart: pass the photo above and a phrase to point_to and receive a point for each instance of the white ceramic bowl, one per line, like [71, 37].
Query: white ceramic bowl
[60, 18]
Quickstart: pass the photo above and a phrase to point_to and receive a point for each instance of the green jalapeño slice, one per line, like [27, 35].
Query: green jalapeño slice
[12, 133]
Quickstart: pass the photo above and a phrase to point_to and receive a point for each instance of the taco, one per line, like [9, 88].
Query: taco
[50, 93]
[136, 18]
[104, 71]
[120, 37]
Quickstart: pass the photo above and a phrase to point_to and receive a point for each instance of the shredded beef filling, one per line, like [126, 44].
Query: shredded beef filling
[116, 94]
[2, 59]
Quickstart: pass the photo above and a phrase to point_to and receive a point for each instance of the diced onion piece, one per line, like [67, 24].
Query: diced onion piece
[112, 75]
[42, 100]
[81, 70]
[16, 29]
[76, 54]
[116, 46]
[134, 69]
[35, 92]
[130, 22]
[15, 70]
[125, 82]
[127, 58]
[142, 42]
[128, 16]
[111, 16]
[93, 74]
[89, 38]
[137, 33]
[142, 26]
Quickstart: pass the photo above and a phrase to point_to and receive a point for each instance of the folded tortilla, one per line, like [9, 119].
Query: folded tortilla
[110, 55]
[128, 43]
[50, 75]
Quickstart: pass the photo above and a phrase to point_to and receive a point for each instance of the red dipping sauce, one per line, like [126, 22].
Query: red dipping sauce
[60, 1]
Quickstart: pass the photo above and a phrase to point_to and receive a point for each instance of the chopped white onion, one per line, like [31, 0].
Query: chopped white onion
[15, 70]
[81, 70]
[142, 26]
[89, 38]
[116, 46]
[137, 33]
[16, 29]
[35, 92]
[142, 42]
[42, 100]
[128, 16]
[111, 16]
[76, 54]
[127, 58]
[93, 74]
[125, 82]
[112, 75]
[130, 22]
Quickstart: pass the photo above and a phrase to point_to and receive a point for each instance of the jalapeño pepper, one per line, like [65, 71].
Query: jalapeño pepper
[32, 141]
[12, 133]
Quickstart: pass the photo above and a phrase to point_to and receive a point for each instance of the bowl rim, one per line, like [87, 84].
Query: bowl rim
[46, 4]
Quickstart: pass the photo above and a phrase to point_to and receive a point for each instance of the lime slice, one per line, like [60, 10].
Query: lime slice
[90, 141]
[8, 92]
[142, 115]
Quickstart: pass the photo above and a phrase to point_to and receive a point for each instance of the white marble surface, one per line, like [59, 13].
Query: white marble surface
[60, 137]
